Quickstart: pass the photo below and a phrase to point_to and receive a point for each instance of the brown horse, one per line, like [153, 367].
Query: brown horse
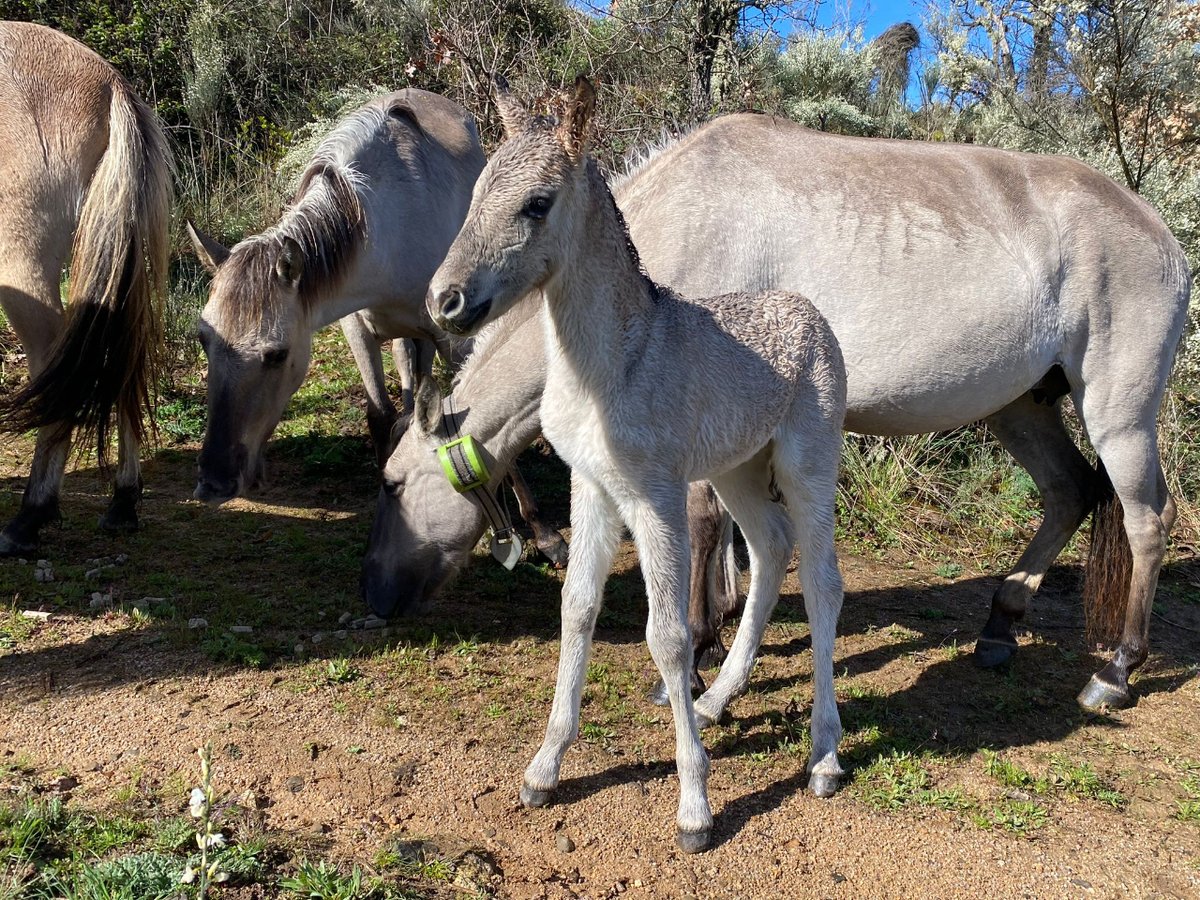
[87, 178]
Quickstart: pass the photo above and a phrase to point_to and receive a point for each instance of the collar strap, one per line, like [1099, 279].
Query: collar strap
[462, 462]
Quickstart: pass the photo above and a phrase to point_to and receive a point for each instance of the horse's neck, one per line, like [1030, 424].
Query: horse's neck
[601, 306]
[499, 391]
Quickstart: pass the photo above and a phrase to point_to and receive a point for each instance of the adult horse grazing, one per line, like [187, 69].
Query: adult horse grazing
[646, 392]
[950, 305]
[87, 178]
[377, 207]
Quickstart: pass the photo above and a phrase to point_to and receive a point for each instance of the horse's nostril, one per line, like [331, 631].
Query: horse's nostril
[452, 302]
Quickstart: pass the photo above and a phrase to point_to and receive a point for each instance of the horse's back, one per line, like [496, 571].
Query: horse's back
[954, 276]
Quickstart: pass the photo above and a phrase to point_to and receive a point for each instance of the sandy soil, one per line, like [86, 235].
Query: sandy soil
[429, 741]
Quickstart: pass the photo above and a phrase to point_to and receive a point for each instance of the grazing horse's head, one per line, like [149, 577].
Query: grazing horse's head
[423, 529]
[257, 326]
[257, 338]
[521, 224]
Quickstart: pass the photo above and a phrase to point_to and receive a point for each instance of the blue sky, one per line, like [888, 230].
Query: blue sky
[878, 15]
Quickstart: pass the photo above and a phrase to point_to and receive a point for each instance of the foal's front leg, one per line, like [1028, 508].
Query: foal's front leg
[659, 526]
[596, 529]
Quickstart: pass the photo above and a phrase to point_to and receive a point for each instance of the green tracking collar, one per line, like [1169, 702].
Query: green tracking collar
[463, 464]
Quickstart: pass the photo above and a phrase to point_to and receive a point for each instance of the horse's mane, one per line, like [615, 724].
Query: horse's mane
[325, 218]
[640, 157]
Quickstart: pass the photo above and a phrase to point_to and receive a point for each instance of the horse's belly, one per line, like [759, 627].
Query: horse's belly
[913, 397]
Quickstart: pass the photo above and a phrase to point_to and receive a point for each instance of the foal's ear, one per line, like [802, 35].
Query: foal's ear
[210, 251]
[428, 406]
[575, 131]
[513, 115]
[289, 264]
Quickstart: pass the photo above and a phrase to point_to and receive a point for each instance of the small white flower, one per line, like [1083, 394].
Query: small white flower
[198, 804]
[215, 841]
[189, 875]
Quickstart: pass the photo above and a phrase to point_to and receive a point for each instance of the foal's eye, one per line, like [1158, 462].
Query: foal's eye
[275, 357]
[392, 487]
[537, 207]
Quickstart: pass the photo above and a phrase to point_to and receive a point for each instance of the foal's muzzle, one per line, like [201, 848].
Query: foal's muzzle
[451, 311]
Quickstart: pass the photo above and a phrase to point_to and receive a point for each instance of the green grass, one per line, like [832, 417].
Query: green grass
[900, 780]
[1019, 817]
[1187, 809]
[342, 671]
[1065, 776]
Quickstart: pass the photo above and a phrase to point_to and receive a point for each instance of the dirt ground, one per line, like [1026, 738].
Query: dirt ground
[423, 734]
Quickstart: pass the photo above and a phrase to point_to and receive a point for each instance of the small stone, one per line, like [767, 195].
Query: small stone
[564, 843]
[154, 601]
[22, 561]
[358, 623]
[345, 617]
[620, 887]
[637, 883]
[43, 575]
[91, 573]
[35, 614]
[320, 613]
[300, 649]
[43, 563]
[319, 637]
[295, 784]
[241, 629]
[489, 832]
[121, 559]
[198, 622]
[341, 634]
[372, 622]
[137, 604]
[99, 600]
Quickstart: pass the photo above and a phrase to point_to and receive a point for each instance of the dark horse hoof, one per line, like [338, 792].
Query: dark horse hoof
[555, 549]
[992, 652]
[13, 546]
[1099, 694]
[823, 785]
[121, 515]
[533, 799]
[694, 841]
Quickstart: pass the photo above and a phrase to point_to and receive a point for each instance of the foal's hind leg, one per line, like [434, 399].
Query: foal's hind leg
[597, 530]
[1034, 434]
[770, 536]
[121, 514]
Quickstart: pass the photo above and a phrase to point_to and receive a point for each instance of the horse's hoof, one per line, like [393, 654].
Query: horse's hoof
[1099, 694]
[18, 539]
[555, 549]
[121, 515]
[14, 548]
[694, 841]
[119, 521]
[993, 652]
[533, 799]
[823, 785]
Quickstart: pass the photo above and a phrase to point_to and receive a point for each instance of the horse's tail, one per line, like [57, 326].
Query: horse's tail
[1109, 567]
[105, 362]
